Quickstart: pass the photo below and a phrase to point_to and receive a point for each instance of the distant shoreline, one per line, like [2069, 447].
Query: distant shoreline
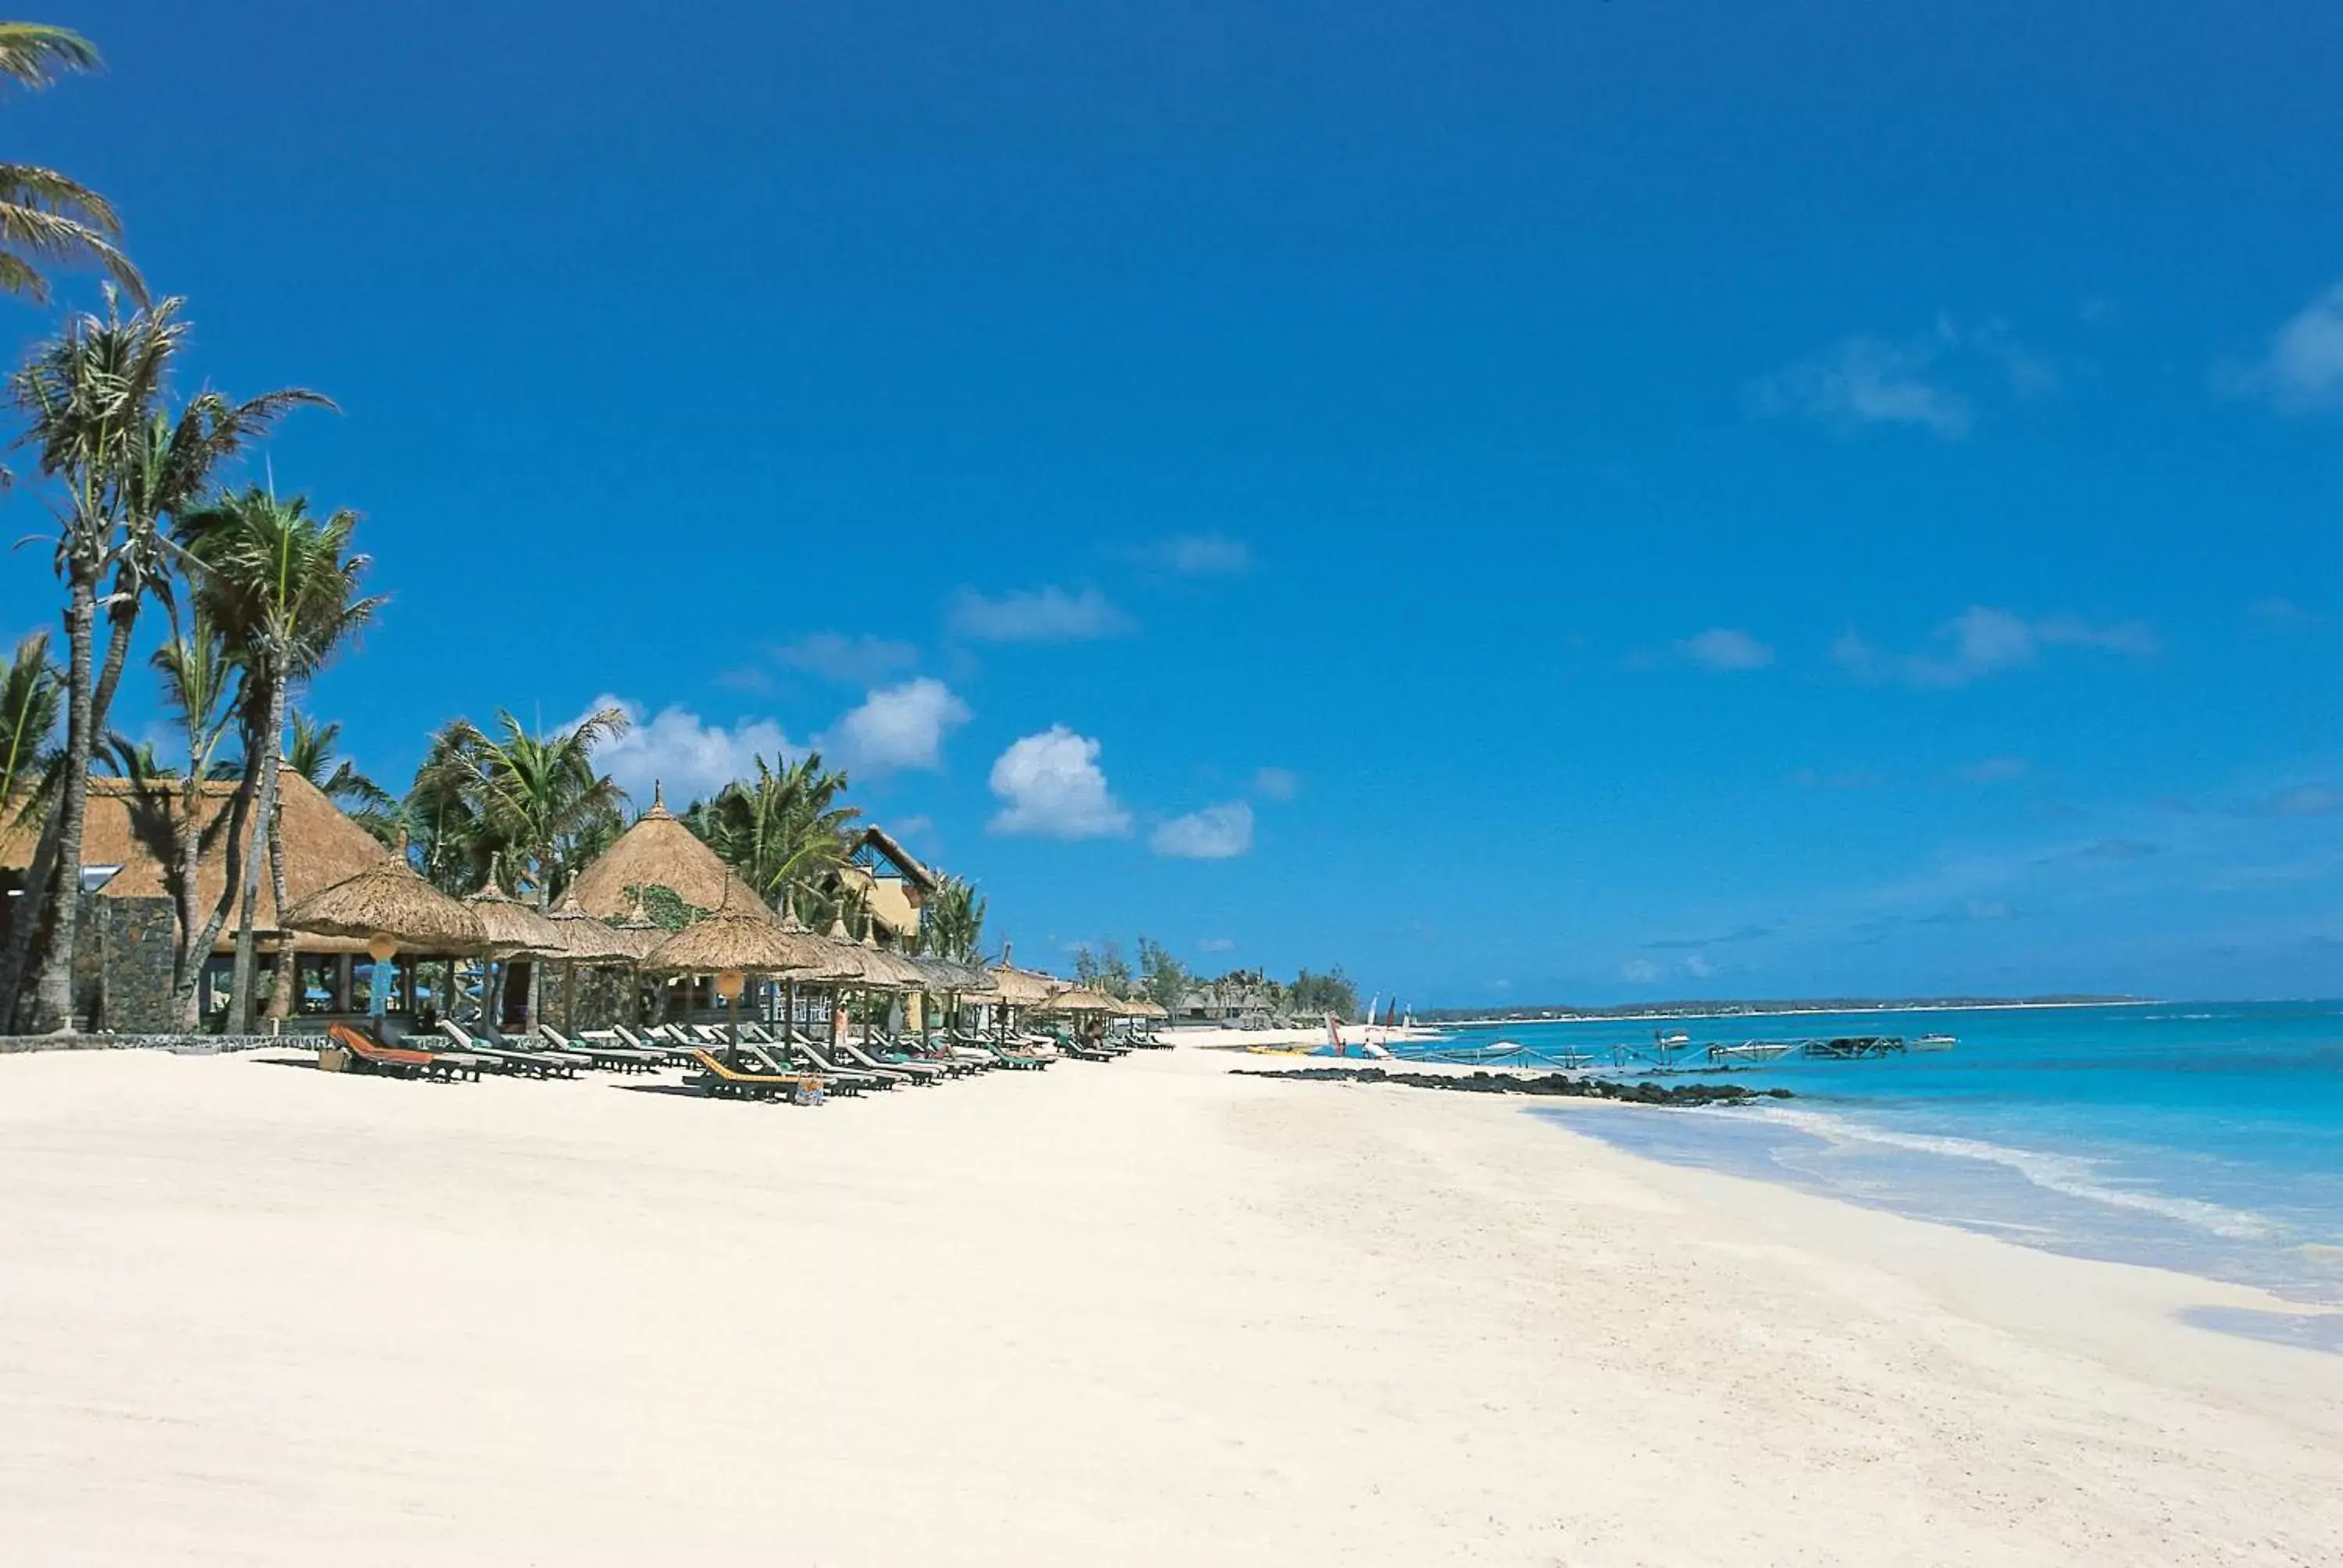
[1794, 1009]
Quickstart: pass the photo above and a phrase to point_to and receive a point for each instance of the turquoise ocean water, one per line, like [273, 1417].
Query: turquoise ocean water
[2206, 1138]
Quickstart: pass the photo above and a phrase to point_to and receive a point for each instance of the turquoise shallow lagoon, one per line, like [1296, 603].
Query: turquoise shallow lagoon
[2204, 1137]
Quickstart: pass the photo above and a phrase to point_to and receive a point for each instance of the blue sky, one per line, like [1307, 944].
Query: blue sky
[1575, 500]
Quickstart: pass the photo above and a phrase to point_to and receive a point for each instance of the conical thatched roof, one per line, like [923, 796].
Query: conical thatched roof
[1143, 1008]
[513, 929]
[1023, 988]
[588, 940]
[841, 961]
[944, 976]
[891, 968]
[744, 940]
[659, 850]
[1080, 1000]
[389, 899]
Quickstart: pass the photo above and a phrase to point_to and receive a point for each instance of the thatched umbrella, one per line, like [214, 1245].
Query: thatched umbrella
[1023, 988]
[733, 944]
[514, 931]
[1081, 1000]
[512, 928]
[588, 941]
[842, 962]
[1019, 989]
[392, 910]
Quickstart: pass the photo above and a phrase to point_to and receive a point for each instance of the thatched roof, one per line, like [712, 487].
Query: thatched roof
[515, 930]
[1143, 1008]
[891, 969]
[659, 850]
[588, 940]
[742, 939]
[1025, 987]
[389, 899]
[1080, 1000]
[886, 844]
[946, 976]
[129, 825]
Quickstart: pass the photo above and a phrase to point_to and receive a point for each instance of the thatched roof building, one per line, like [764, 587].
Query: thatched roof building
[659, 851]
[128, 827]
[892, 883]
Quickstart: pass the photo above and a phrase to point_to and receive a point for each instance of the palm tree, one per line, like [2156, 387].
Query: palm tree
[136, 760]
[951, 923]
[45, 217]
[199, 685]
[526, 807]
[784, 832]
[310, 751]
[277, 581]
[95, 397]
[32, 695]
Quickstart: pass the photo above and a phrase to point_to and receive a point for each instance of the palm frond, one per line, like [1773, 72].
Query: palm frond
[35, 55]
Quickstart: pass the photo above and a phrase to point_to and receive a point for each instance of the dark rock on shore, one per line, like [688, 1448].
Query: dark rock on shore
[1552, 1083]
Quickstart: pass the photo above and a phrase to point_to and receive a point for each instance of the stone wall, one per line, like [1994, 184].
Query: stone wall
[122, 964]
[182, 1044]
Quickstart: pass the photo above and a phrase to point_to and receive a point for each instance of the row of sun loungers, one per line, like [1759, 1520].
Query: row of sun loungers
[758, 1062]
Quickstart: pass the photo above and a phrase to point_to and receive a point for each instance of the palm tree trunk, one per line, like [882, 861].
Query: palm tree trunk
[122, 621]
[30, 907]
[196, 948]
[263, 748]
[52, 970]
[280, 1000]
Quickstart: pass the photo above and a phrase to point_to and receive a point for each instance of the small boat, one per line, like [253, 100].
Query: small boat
[1934, 1043]
[1750, 1051]
[1492, 1052]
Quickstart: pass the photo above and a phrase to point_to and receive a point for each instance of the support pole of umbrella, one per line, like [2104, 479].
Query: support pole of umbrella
[728, 984]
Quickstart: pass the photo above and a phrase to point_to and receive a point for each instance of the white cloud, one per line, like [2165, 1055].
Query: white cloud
[1215, 833]
[1983, 640]
[678, 748]
[849, 660]
[901, 727]
[1217, 945]
[1051, 786]
[1698, 967]
[1723, 647]
[2279, 612]
[1198, 556]
[1037, 615]
[2302, 370]
[1277, 783]
[1867, 381]
[1639, 971]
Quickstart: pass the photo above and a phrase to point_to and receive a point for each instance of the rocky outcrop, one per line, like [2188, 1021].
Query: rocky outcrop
[1561, 1084]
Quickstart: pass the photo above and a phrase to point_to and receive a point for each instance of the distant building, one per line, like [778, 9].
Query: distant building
[1242, 998]
[891, 884]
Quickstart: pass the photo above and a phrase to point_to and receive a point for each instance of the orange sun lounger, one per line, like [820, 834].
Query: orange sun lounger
[399, 1061]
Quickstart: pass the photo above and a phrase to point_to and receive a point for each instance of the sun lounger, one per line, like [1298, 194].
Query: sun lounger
[785, 1056]
[762, 1060]
[533, 1063]
[827, 1062]
[399, 1061]
[1005, 1057]
[606, 1051]
[921, 1071]
[665, 1040]
[716, 1078]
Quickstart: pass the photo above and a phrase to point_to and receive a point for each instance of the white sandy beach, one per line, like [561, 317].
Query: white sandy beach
[1140, 1312]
